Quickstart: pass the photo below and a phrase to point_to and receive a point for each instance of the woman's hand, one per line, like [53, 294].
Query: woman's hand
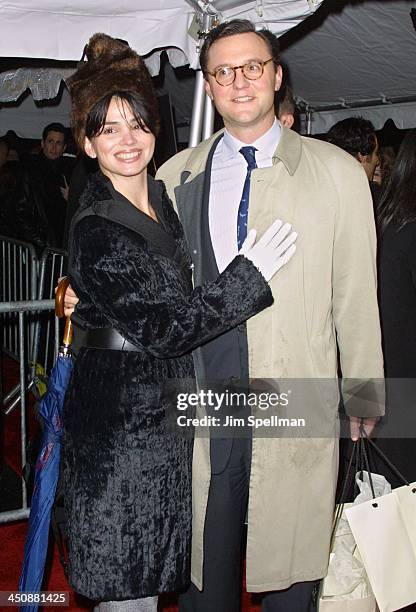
[70, 301]
[274, 249]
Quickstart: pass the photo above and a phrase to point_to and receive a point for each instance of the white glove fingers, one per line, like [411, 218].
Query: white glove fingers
[283, 246]
[271, 231]
[248, 242]
[281, 235]
[287, 255]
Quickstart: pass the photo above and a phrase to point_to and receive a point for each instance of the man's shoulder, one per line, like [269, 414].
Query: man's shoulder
[174, 166]
[192, 160]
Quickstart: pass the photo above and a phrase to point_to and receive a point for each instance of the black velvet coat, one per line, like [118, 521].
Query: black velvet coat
[127, 479]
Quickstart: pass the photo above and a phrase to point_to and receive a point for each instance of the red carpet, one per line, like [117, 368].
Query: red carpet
[12, 536]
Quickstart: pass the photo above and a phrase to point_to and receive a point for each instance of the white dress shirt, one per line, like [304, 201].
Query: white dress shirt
[229, 169]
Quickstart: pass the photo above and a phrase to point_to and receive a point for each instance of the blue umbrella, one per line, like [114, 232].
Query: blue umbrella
[47, 465]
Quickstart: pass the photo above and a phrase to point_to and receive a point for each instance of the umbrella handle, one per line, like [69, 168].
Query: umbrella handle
[59, 309]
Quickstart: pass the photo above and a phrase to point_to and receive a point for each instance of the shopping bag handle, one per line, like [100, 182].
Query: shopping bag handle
[360, 461]
[354, 459]
[383, 456]
[59, 309]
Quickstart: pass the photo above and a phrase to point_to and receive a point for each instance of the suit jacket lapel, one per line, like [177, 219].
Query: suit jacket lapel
[192, 199]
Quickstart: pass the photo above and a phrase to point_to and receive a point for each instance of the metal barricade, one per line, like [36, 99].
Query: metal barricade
[24, 310]
[52, 266]
[19, 281]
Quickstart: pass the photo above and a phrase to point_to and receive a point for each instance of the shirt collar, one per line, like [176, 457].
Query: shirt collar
[266, 144]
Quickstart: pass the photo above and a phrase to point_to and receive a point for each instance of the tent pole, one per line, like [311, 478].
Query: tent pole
[308, 122]
[201, 100]
[209, 114]
[197, 110]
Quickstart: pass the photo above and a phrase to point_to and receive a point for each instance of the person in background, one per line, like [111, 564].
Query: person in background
[8, 182]
[285, 105]
[397, 287]
[384, 168]
[127, 476]
[357, 136]
[43, 191]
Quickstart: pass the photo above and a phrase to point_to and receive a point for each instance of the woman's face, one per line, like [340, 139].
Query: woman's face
[122, 149]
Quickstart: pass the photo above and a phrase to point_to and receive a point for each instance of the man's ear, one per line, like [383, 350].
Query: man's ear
[89, 149]
[208, 89]
[287, 119]
[362, 158]
[278, 78]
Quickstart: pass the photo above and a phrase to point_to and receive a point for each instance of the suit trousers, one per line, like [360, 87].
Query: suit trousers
[223, 536]
[223, 545]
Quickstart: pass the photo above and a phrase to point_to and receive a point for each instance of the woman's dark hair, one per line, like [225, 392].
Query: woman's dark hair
[146, 115]
[237, 26]
[398, 200]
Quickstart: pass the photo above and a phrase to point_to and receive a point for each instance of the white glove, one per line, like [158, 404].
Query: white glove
[274, 249]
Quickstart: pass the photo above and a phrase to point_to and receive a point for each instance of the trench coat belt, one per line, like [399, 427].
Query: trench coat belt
[105, 338]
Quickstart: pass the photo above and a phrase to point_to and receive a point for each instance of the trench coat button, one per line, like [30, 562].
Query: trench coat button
[241, 328]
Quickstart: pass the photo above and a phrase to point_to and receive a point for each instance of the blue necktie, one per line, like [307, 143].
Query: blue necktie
[249, 154]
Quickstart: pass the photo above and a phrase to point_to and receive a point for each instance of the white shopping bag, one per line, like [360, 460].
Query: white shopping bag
[385, 532]
[346, 587]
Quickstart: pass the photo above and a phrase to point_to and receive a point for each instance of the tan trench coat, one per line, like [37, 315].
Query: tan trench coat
[327, 291]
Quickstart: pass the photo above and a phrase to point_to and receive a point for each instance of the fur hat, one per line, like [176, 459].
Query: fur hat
[112, 66]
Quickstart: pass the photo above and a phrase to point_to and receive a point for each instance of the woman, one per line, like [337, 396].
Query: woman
[128, 477]
[397, 282]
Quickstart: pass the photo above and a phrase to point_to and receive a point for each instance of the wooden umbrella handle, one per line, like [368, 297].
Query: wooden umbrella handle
[60, 296]
[59, 309]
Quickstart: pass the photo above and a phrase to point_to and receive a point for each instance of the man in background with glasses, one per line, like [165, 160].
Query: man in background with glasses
[247, 175]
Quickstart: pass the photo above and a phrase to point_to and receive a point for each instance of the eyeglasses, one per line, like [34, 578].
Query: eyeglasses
[252, 70]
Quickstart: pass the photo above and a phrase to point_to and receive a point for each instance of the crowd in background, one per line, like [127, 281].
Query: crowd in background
[36, 204]
[34, 190]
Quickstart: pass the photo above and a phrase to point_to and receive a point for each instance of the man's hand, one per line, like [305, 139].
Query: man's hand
[368, 424]
[65, 189]
[70, 301]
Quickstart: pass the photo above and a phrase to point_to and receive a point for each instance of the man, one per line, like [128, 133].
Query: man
[327, 291]
[357, 136]
[43, 193]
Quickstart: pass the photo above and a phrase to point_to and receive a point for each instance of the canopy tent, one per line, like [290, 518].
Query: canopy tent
[355, 58]
[349, 57]
[58, 30]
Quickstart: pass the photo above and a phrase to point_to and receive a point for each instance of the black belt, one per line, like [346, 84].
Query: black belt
[102, 339]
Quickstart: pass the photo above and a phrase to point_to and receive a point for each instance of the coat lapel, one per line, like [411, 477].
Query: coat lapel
[192, 199]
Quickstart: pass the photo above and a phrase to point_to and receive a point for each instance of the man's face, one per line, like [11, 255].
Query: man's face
[53, 146]
[246, 106]
[370, 161]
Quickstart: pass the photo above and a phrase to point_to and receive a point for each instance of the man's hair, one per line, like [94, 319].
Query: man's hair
[355, 135]
[231, 28]
[55, 127]
[284, 101]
